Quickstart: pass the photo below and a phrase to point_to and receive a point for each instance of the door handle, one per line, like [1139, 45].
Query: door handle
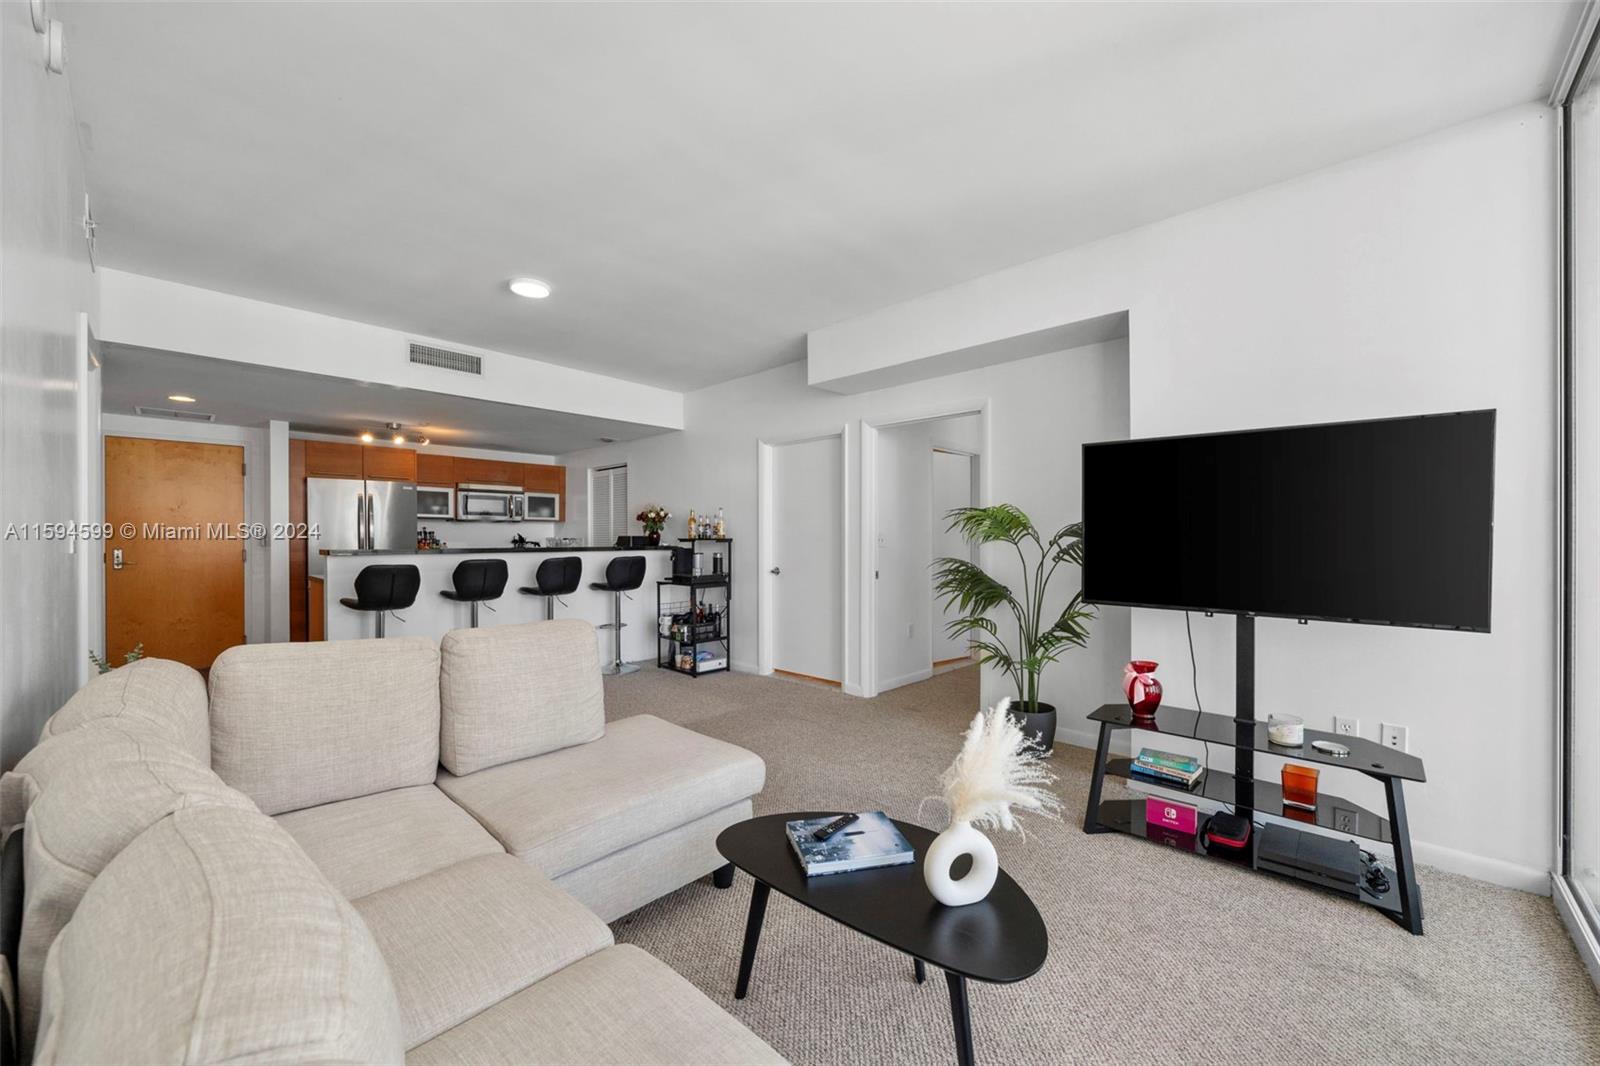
[775, 570]
[370, 544]
[116, 559]
[361, 536]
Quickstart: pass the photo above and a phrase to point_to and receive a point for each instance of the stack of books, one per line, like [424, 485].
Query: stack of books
[1165, 768]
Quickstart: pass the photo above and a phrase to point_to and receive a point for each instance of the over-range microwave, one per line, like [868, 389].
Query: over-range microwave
[488, 503]
[436, 501]
[541, 506]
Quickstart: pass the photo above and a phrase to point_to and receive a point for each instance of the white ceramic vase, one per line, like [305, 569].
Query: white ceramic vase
[949, 846]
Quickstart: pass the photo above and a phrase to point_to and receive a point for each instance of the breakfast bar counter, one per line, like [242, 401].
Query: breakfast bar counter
[433, 615]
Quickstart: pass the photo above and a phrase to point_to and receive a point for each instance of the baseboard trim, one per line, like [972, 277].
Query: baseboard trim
[1483, 868]
[906, 679]
[1582, 934]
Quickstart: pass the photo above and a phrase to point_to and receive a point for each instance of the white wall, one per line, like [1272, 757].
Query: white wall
[1039, 411]
[953, 487]
[151, 313]
[45, 283]
[1419, 279]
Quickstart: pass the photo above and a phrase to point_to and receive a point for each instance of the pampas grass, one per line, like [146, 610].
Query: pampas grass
[998, 774]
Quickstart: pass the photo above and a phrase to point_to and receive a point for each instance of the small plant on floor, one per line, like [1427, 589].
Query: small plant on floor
[105, 668]
[1041, 639]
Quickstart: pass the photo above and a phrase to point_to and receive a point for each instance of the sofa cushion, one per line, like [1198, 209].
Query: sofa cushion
[619, 1005]
[509, 692]
[461, 939]
[295, 725]
[83, 797]
[213, 938]
[643, 777]
[371, 842]
[162, 695]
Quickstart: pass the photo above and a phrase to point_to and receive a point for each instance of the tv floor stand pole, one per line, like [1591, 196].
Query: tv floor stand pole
[1244, 716]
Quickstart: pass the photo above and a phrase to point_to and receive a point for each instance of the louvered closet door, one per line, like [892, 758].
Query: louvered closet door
[608, 505]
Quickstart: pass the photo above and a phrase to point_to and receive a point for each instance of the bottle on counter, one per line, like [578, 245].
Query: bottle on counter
[692, 526]
[720, 529]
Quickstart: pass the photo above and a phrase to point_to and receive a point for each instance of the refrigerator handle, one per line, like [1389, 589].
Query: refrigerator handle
[370, 543]
[360, 523]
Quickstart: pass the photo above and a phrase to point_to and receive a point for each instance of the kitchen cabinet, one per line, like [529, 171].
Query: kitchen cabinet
[487, 472]
[434, 469]
[538, 477]
[326, 458]
[385, 462]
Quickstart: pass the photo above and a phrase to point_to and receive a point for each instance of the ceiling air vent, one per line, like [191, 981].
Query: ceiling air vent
[181, 416]
[445, 359]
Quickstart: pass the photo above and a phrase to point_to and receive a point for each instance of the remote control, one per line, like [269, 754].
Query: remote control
[834, 826]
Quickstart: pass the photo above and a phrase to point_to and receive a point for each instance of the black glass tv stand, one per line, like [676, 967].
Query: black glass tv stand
[1248, 795]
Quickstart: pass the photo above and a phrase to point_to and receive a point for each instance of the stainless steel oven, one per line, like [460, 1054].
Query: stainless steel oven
[488, 503]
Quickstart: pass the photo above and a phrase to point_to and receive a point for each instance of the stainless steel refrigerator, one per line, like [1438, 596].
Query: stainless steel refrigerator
[347, 514]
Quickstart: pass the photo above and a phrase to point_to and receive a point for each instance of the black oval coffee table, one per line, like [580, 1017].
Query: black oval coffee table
[1000, 939]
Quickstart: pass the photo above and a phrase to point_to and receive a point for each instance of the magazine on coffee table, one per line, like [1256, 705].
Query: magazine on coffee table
[867, 843]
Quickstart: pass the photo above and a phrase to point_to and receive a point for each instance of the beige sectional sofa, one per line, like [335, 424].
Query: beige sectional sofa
[365, 851]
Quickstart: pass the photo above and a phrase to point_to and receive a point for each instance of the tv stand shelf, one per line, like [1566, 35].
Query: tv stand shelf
[1249, 796]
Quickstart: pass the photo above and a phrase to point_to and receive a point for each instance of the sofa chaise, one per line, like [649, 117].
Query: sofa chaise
[365, 851]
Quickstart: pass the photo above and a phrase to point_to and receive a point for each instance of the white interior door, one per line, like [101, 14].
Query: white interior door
[952, 488]
[807, 562]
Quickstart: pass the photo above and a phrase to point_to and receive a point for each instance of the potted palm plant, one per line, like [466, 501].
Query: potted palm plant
[1041, 638]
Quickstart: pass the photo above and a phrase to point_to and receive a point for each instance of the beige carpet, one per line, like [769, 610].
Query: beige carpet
[1153, 956]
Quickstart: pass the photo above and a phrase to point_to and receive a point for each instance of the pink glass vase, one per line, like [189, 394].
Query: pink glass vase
[1139, 684]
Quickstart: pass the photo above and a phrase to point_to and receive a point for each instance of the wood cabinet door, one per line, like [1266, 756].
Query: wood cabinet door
[385, 462]
[488, 472]
[326, 458]
[435, 469]
[540, 477]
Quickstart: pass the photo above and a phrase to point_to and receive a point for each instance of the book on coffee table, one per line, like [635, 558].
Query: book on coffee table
[869, 842]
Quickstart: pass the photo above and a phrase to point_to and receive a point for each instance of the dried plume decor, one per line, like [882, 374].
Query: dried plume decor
[998, 774]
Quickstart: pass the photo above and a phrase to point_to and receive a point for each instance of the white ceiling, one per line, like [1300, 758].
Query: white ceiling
[703, 184]
[243, 394]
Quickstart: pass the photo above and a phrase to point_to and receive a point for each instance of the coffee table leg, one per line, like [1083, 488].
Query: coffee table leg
[922, 971]
[752, 937]
[961, 1014]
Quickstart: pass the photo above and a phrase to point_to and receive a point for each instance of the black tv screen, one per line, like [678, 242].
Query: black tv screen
[1388, 521]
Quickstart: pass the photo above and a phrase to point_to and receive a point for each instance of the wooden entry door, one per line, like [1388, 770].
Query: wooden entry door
[174, 509]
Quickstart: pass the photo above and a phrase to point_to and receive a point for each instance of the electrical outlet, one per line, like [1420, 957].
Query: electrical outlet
[1346, 727]
[1394, 736]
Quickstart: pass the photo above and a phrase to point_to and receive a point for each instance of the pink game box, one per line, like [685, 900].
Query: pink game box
[1170, 814]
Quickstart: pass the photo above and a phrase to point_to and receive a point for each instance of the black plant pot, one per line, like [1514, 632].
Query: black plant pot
[1039, 727]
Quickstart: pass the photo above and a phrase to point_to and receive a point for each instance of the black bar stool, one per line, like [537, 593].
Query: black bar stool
[623, 574]
[477, 581]
[384, 588]
[555, 577]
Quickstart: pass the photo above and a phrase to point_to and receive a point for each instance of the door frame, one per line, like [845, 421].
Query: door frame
[254, 442]
[766, 450]
[91, 499]
[870, 428]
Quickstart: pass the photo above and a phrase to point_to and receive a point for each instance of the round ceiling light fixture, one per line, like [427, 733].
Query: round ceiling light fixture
[366, 438]
[179, 397]
[532, 288]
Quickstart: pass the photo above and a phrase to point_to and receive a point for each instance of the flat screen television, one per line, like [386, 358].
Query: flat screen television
[1389, 522]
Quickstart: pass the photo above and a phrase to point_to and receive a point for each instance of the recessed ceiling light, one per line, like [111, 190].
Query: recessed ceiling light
[399, 438]
[532, 288]
[179, 397]
[366, 438]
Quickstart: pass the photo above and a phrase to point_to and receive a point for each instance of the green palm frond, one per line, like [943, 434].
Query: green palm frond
[966, 587]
